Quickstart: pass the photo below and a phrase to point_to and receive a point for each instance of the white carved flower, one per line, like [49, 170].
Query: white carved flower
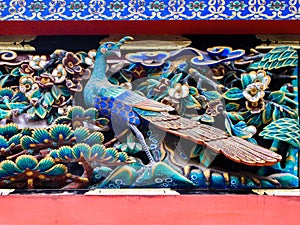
[59, 74]
[38, 62]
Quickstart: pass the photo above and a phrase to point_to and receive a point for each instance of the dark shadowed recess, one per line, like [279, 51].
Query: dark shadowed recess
[47, 44]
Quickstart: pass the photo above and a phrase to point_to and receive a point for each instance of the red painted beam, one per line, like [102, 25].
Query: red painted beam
[185, 209]
[149, 27]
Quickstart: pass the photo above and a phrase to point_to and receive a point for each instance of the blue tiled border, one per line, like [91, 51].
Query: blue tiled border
[42, 10]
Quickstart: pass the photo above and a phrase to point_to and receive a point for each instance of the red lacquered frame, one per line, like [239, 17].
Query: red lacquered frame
[121, 210]
[150, 27]
[183, 209]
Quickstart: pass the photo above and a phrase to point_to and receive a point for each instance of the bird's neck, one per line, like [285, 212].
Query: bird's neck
[97, 81]
[99, 71]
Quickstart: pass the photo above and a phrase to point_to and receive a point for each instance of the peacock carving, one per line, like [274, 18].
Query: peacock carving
[127, 110]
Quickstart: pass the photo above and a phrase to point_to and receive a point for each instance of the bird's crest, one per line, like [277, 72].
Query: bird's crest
[124, 39]
[113, 46]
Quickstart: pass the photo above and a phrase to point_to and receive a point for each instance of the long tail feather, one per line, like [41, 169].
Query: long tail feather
[234, 148]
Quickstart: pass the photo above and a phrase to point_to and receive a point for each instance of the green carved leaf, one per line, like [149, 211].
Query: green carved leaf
[82, 55]
[267, 113]
[232, 106]
[56, 170]
[81, 133]
[235, 116]
[36, 94]
[4, 113]
[3, 80]
[113, 80]
[65, 91]
[191, 102]
[152, 82]
[277, 96]
[242, 133]
[9, 167]
[60, 132]
[212, 95]
[94, 138]
[65, 153]
[193, 90]
[26, 161]
[242, 130]
[246, 80]
[31, 111]
[92, 113]
[253, 66]
[233, 94]
[256, 120]
[176, 78]
[15, 105]
[276, 114]
[40, 111]
[48, 99]
[50, 119]
[149, 84]
[45, 164]
[56, 92]
[15, 72]
[41, 135]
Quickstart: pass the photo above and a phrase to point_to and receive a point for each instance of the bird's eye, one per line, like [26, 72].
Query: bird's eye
[108, 45]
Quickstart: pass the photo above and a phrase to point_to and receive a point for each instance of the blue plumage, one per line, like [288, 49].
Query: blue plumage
[109, 107]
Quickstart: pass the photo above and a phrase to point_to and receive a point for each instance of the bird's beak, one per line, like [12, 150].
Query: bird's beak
[117, 52]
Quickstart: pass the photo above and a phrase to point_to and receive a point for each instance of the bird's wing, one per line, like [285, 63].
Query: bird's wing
[135, 100]
[234, 148]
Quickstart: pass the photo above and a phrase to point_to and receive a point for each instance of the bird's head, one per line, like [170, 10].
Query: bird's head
[113, 47]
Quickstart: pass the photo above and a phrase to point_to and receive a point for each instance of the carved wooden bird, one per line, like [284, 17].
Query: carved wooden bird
[127, 108]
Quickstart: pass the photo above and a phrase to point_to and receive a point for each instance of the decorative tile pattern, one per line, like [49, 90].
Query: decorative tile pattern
[149, 10]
